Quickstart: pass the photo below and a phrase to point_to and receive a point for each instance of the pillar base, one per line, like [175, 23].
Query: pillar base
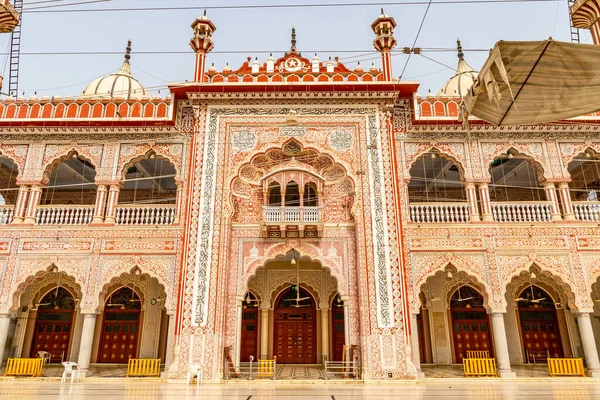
[420, 375]
[83, 374]
[592, 373]
[487, 218]
[507, 374]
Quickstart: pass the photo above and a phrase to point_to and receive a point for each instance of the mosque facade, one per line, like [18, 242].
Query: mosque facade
[299, 210]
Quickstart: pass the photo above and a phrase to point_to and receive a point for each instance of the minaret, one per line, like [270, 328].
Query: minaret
[202, 43]
[385, 41]
[585, 14]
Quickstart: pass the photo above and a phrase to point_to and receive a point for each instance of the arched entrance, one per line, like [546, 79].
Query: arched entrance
[539, 324]
[470, 323]
[120, 327]
[337, 328]
[54, 324]
[295, 327]
[249, 339]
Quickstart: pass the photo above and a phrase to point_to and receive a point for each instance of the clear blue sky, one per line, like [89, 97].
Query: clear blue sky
[322, 29]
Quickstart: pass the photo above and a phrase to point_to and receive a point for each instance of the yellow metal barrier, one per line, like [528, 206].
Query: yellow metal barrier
[478, 354]
[266, 368]
[565, 366]
[24, 367]
[143, 367]
[479, 367]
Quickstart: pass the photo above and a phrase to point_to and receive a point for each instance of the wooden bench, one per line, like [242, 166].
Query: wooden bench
[565, 366]
[24, 367]
[478, 354]
[266, 368]
[143, 367]
[479, 367]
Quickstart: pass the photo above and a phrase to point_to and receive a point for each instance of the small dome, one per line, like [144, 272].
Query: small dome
[121, 84]
[462, 80]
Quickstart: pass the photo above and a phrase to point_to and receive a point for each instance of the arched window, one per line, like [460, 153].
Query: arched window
[514, 178]
[8, 183]
[292, 194]
[434, 178]
[274, 194]
[149, 181]
[71, 182]
[310, 195]
[585, 177]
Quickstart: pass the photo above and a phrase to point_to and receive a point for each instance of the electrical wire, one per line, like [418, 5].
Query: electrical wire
[416, 38]
[43, 10]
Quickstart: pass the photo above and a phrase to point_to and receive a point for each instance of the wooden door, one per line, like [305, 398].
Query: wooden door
[295, 329]
[120, 330]
[338, 335]
[249, 340]
[470, 323]
[120, 327]
[421, 337]
[539, 325]
[470, 331]
[53, 325]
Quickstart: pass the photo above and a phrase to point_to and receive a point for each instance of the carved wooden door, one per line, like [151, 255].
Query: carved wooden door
[296, 342]
[249, 343]
[119, 339]
[470, 323]
[338, 336]
[53, 325]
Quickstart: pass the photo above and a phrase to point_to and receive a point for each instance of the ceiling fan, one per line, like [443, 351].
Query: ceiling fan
[460, 298]
[298, 299]
[532, 299]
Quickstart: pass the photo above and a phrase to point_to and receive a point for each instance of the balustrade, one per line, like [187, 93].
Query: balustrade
[439, 212]
[522, 212]
[291, 214]
[6, 214]
[587, 210]
[64, 215]
[139, 214]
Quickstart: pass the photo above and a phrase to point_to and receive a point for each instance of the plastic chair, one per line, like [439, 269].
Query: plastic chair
[45, 355]
[195, 370]
[70, 368]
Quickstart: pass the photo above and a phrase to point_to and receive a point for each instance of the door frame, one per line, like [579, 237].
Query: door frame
[294, 310]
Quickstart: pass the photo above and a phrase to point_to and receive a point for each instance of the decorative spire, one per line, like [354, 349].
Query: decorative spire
[293, 49]
[460, 52]
[382, 11]
[128, 51]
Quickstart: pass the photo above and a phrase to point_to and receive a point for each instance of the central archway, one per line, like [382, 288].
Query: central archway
[295, 327]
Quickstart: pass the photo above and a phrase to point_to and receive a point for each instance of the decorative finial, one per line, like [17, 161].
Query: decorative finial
[382, 11]
[205, 12]
[128, 51]
[460, 52]
[293, 49]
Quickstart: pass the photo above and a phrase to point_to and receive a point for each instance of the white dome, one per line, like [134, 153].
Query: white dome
[462, 80]
[121, 84]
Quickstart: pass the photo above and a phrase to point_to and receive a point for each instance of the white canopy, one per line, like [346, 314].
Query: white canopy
[535, 82]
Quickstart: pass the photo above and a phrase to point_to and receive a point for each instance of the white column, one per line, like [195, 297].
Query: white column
[325, 333]
[589, 345]
[87, 338]
[550, 190]
[35, 195]
[414, 342]
[565, 197]
[238, 330]
[346, 300]
[4, 325]
[264, 333]
[471, 192]
[170, 340]
[486, 206]
[501, 346]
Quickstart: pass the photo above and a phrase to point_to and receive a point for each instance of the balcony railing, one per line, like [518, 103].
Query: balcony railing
[151, 214]
[6, 214]
[291, 214]
[64, 215]
[524, 211]
[587, 210]
[439, 212]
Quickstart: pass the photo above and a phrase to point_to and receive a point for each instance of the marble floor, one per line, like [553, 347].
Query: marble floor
[447, 390]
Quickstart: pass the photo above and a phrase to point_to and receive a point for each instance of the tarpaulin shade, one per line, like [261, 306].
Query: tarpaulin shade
[535, 82]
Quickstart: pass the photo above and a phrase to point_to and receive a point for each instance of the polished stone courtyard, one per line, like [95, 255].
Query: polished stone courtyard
[563, 389]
